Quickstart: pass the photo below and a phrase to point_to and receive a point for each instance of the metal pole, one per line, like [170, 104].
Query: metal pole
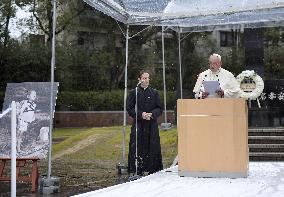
[13, 149]
[51, 89]
[136, 131]
[164, 74]
[125, 95]
[180, 71]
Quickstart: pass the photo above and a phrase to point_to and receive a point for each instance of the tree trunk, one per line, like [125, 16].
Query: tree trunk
[8, 17]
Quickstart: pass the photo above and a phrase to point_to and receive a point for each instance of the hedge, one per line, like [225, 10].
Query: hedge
[100, 101]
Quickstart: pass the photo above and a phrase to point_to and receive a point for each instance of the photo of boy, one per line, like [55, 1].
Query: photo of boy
[26, 115]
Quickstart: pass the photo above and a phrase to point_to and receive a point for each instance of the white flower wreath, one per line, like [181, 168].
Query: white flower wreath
[259, 85]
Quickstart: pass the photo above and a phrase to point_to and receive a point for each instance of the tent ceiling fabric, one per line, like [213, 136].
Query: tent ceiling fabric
[193, 15]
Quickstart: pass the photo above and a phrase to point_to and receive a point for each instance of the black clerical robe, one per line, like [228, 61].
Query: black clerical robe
[148, 138]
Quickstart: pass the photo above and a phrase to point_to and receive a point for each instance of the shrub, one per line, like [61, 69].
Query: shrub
[100, 101]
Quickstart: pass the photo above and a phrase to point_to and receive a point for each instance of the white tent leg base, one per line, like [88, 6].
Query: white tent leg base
[121, 169]
[49, 186]
[165, 126]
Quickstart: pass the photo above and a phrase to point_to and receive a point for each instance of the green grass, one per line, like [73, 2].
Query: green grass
[169, 146]
[107, 146]
[67, 132]
[94, 165]
[71, 139]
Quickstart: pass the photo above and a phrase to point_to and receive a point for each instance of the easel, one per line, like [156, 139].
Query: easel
[21, 163]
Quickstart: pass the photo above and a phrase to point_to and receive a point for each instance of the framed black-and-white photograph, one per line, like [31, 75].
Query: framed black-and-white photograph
[33, 118]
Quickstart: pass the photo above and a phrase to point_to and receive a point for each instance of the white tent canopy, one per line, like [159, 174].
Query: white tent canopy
[192, 15]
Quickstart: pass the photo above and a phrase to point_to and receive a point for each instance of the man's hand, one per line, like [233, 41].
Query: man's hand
[205, 94]
[220, 93]
[146, 116]
[149, 116]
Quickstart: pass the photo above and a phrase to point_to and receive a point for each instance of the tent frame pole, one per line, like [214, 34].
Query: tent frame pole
[51, 89]
[180, 71]
[164, 75]
[125, 94]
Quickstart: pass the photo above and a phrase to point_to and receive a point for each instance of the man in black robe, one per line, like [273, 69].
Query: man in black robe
[149, 108]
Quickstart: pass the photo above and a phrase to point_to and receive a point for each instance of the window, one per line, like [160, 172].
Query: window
[81, 37]
[228, 38]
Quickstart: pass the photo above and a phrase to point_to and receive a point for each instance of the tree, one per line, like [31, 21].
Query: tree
[272, 36]
[24, 62]
[67, 11]
[7, 12]
[274, 53]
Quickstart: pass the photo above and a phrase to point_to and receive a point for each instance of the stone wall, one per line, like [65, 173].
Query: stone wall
[97, 118]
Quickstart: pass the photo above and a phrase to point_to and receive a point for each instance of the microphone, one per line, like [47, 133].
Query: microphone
[141, 81]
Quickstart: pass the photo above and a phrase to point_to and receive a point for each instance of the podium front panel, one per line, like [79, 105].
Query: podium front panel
[212, 138]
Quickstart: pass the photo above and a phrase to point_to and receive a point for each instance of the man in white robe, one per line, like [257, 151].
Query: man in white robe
[229, 87]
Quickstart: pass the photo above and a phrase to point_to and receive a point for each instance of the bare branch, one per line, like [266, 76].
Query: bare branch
[68, 22]
[1, 25]
[38, 19]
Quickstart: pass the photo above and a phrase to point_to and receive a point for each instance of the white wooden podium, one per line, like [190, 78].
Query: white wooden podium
[212, 138]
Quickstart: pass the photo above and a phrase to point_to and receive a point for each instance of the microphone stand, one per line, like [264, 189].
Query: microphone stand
[136, 132]
[136, 176]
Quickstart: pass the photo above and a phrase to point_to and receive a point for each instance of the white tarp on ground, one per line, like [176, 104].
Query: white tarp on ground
[265, 179]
